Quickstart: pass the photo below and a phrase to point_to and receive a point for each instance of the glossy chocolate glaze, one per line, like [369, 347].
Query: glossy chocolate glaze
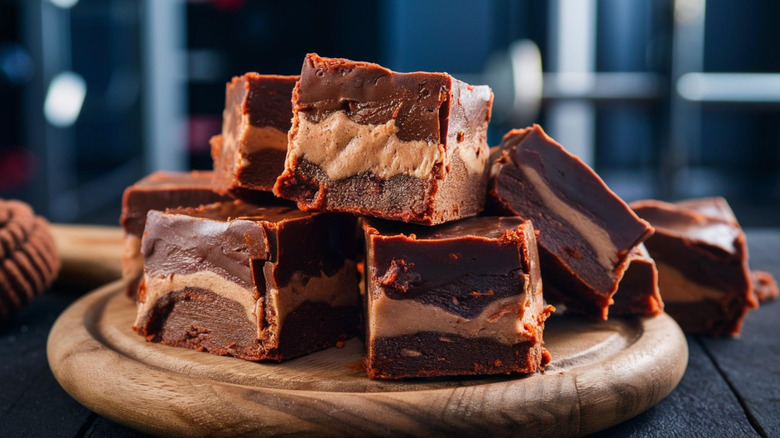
[371, 94]
[573, 269]
[161, 190]
[715, 206]
[707, 251]
[719, 235]
[461, 266]
[267, 99]
[246, 232]
[179, 243]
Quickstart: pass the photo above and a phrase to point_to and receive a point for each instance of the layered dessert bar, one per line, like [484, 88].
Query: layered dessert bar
[638, 292]
[702, 264]
[764, 284]
[462, 298]
[157, 191]
[258, 283]
[586, 232]
[402, 146]
[250, 152]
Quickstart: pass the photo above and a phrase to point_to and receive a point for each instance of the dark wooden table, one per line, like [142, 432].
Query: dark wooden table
[730, 389]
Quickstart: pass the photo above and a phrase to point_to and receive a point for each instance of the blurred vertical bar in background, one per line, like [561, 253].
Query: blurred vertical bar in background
[164, 73]
[685, 117]
[572, 54]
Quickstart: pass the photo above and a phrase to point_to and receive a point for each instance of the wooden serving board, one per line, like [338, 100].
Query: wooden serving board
[602, 373]
[91, 255]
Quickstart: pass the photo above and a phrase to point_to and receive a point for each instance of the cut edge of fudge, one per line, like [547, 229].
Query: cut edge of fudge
[483, 317]
[702, 267]
[252, 148]
[638, 292]
[257, 283]
[157, 191]
[586, 232]
[401, 146]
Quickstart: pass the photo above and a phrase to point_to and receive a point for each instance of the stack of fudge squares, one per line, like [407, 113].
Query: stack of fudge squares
[355, 201]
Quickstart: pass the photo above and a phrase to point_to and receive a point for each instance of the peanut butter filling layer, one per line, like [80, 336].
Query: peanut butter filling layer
[279, 302]
[508, 320]
[597, 237]
[266, 137]
[343, 148]
[676, 288]
[132, 260]
[159, 286]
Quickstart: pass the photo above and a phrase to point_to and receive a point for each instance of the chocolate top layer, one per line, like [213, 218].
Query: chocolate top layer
[371, 94]
[161, 190]
[485, 227]
[716, 207]
[178, 243]
[461, 267]
[267, 99]
[224, 237]
[229, 211]
[689, 224]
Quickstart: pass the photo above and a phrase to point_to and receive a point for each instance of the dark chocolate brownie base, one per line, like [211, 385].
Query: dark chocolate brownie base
[402, 197]
[430, 354]
[696, 318]
[182, 318]
[315, 326]
[261, 172]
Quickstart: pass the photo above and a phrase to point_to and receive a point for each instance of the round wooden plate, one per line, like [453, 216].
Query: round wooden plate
[602, 373]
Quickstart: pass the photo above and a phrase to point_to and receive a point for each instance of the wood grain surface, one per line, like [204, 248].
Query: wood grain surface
[91, 255]
[602, 373]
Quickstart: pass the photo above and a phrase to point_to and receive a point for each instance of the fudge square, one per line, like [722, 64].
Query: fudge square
[250, 152]
[638, 292]
[402, 146]
[764, 284]
[586, 232]
[157, 191]
[701, 254]
[462, 298]
[251, 282]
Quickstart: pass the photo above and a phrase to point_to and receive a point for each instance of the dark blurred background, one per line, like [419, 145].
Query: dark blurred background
[666, 99]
